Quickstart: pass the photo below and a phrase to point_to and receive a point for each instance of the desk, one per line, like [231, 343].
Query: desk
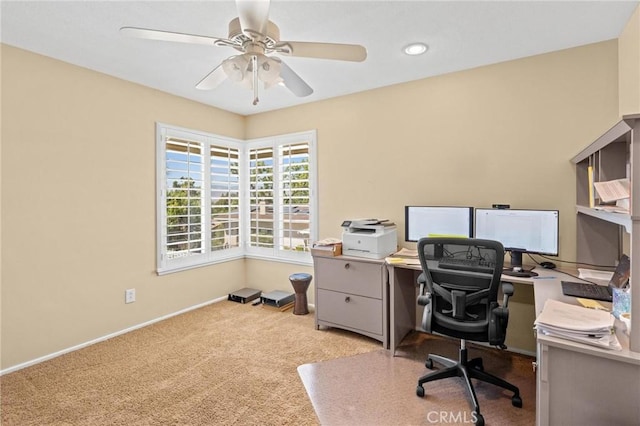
[403, 308]
[581, 384]
[576, 384]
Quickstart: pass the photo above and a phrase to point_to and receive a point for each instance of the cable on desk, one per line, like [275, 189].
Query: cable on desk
[568, 261]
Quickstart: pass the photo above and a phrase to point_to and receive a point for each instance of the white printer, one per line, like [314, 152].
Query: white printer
[370, 238]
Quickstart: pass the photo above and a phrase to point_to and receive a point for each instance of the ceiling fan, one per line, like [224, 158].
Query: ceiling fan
[257, 39]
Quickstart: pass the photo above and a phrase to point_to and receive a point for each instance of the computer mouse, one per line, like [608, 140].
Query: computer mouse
[548, 265]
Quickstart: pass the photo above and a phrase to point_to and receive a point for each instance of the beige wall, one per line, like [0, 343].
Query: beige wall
[79, 207]
[268, 276]
[78, 176]
[629, 66]
[497, 134]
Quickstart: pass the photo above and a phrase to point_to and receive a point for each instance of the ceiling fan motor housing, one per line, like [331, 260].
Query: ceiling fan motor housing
[269, 39]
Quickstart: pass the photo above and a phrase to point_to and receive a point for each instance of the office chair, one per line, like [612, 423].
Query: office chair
[459, 292]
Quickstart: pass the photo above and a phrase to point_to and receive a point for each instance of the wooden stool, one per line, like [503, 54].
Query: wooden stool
[300, 283]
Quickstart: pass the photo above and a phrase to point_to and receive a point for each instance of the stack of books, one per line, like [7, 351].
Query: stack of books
[579, 324]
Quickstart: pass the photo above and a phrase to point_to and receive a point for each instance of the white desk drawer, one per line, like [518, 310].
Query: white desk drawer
[361, 313]
[349, 276]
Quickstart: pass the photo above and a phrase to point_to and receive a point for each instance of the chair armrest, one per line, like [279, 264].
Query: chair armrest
[501, 313]
[507, 291]
[423, 298]
[498, 324]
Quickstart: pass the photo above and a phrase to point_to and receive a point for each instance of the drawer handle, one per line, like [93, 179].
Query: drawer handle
[347, 299]
[347, 266]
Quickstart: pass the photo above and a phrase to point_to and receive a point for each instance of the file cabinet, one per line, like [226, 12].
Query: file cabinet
[351, 294]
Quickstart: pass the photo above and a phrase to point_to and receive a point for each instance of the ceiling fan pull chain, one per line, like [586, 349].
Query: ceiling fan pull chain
[254, 61]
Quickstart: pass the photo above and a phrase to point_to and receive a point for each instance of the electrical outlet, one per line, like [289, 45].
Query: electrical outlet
[130, 295]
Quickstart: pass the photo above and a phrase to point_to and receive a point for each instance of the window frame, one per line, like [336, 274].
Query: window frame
[275, 142]
[164, 265]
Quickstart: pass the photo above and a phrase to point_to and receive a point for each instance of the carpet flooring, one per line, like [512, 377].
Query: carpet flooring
[223, 364]
[234, 364]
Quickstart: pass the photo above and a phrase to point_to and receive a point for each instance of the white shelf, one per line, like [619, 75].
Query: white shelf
[617, 218]
[613, 155]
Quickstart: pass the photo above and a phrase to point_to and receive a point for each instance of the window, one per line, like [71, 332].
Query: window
[199, 203]
[281, 188]
[222, 199]
[225, 197]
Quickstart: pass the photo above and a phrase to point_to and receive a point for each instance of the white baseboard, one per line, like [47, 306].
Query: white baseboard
[103, 338]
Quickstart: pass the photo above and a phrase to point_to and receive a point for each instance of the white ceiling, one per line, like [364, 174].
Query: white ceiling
[460, 34]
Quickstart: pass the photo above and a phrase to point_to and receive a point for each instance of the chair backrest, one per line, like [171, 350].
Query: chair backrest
[461, 299]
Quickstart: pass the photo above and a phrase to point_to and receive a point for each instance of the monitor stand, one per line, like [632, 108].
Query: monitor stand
[516, 269]
[438, 251]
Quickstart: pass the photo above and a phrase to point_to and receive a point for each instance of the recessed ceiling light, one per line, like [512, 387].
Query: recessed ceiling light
[415, 49]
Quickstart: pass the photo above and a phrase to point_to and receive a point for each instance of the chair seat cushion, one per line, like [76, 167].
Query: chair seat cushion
[478, 325]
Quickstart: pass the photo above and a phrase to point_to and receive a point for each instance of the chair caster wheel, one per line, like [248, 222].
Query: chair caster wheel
[479, 419]
[420, 391]
[429, 364]
[516, 401]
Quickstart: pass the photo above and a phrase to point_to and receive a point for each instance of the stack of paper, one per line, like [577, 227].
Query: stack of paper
[617, 191]
[579, 324]
[328, 247]
[613, 190]
[405, 252]
[401, 261]
[596, 275]
[403, 257]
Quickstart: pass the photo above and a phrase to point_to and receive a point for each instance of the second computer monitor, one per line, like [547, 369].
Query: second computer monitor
[520, 231]
[430, 221]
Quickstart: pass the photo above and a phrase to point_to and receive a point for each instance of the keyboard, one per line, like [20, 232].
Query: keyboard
[587, 291]
[463, 264]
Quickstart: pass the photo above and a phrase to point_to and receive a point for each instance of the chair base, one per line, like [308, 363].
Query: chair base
[466, 369]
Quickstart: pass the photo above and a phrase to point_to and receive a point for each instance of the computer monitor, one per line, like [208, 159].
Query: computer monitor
[520, 231]
[434, 221]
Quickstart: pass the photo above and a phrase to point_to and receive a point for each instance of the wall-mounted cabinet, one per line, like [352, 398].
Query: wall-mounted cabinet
[600, 233]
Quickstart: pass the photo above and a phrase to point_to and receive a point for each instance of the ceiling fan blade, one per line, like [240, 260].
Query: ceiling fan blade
[293, 81]
[213, 79]
[254, 16]
[340, 52]
[170, 36]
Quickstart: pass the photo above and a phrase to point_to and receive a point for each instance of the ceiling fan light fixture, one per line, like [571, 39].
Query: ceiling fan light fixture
[414, 49]
[235, 67]
[256, 38]
[268, 71]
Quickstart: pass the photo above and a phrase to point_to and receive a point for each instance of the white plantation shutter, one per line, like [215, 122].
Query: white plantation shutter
[222, 199]
[281, 196]
[225, 197]
[199, 198]
[295, 197]
[184, 183]
[261, 197]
